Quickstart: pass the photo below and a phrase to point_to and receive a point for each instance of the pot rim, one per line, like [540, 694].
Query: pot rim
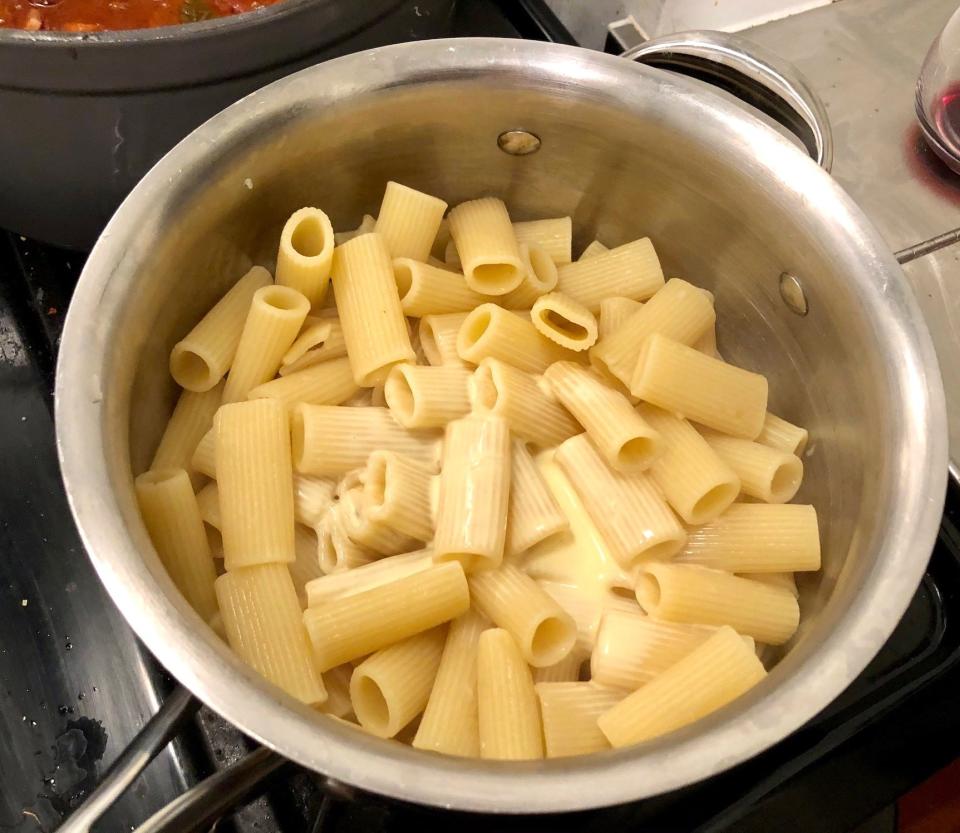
[808, 679]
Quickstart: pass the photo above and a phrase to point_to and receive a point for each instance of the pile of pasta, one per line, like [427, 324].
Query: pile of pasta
[481, 498]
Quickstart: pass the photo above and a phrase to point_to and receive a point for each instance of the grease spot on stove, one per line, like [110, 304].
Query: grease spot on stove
[77, 751]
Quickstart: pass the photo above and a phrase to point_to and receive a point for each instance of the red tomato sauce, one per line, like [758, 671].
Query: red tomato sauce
[102, 15]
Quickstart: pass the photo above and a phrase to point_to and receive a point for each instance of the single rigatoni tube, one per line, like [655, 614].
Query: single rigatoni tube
[629, 271]
[208, 502]
[333, 439]
[204, 459]
[487, 246]
[583, 606]
[631, 648]
[613, 313]
[539, 277]
[427, 397]
[438, 338]
[320, 340]
[778, 433]
[368, 532]
[255, 481]
[566, 670]
[305, 254]
[191, 419]
[306, 566]
[276, 316]
[785, 581]
[374, 574]
[337, 683]
[757, 538]
[373, 324]
[430, 290]
[499, 388]
[680, 311]
[697, 595]
[493, 332]
[397, 492]
[624, 438]
[172, 517]
[633, 519]
[201, 358]
[474, 493]
[348, 627]
[593, 249]
[367, 224]
[391, 687]
[677, 378]
[450, 724]
[553, 235]
[570, 712]
[515, 602]
[327, 383]
[408, 221]
[507, 707]
[262, 618]
[768, 474]
[312, 497]
[696, 482]
[709, 677]
[532, 513]
[564, 321]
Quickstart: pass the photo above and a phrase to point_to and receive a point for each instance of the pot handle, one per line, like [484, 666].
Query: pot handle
[751, 74]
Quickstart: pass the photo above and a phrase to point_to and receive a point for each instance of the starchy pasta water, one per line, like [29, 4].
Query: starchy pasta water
[497, 497]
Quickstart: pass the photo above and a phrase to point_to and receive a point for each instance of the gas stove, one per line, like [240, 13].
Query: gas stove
[76, 686]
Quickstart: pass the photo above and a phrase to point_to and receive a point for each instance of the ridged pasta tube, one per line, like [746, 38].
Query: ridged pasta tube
[191, 419]
[305, 254]
[768, 474]
[564, 321]
[570, 712]
[397, 492]
[327, 383]
[431, 290]
[533, 513]
[409, 220]
[614, 312]
[539, 277]
[438, 338]
[554, 235]
[486, 245]
[427, 397]
[778, 433]
[630, 271]
[493, 332]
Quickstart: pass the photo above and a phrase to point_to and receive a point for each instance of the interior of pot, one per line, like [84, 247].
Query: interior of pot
[626, 152]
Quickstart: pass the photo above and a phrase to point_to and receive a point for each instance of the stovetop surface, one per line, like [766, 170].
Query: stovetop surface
[76, 686]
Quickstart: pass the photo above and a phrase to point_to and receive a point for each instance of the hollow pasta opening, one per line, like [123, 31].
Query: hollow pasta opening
[403, 275]
[563, 325]
[473, 329]
[309, 238]
[371, 705]
[636, 453]
[495, 275]
[551, 641]
[542, 273]
[399, 396]
[713, 502]
[648, 591]
[282, 298]
[484, 389]
[190, 370]
[786, 480]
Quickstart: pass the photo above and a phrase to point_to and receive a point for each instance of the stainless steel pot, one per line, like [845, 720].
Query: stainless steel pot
[626, 150]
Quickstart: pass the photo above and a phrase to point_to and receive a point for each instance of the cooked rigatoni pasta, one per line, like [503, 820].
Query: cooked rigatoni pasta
[367, 224]
[634, 520]
[566, 670]
[408, 221]
[172, 518]
[305, 254]
[497, 387]
[438, 338]
[312, 497]
[201, 358]
[532, 513]
[337, 683]
[697, 595]
[539, 277]
[431, 290]
[373, 324]
[255, 481]
[515, 602]
[427, 397]
[275, 317]
[474, 492]
[680, 379]
[374, 574]
[319, 340]
[507, 707]
[262, 619]
[337, 551]
[593, 249]
[333, 439]
[613, 313]
[208, 502]
[391, 687]
[204, 459]
[627, 442]
[694, 479]
[785, 581]
[397, 492]
[680, 311]
[450, 723]
[368, 532]
[709, 677]
[486, 245]
[348, 627]
[327, 383]
[630, 271]
[493, 332]
[564, 321]
[554, 236]
[757, 538]
[707, 343]
[778, 433]
[768, 474]
[191, 419]
[570, 712]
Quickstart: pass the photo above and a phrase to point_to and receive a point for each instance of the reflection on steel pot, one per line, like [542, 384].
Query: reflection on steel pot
[626, 150]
